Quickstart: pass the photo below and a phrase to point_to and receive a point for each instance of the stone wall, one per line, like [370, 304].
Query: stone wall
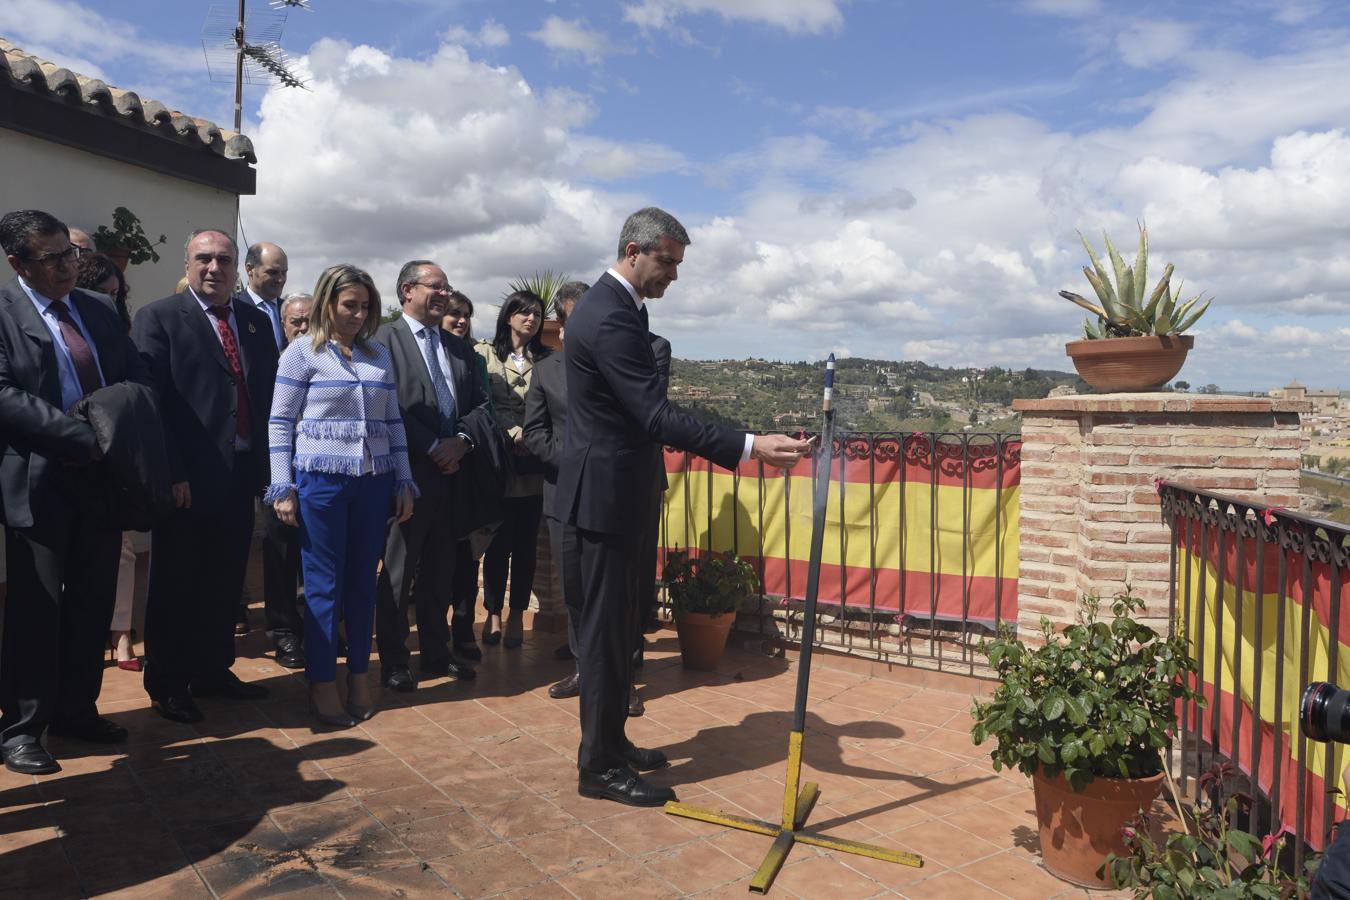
[1090, 519]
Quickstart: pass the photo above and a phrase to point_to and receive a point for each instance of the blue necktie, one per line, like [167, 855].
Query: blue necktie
[444, 399]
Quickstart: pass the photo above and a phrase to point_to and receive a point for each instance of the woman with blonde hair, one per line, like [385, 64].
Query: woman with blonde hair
[339, 458]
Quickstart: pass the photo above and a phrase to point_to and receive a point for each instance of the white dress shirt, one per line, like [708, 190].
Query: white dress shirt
[272, 309]
[417, 329]
[71, 392]
[638, 301]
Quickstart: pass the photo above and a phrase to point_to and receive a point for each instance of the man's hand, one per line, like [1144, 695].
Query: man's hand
[286, 511]
[779, 450]
[442, 454]
[518, 447]
[182, 495]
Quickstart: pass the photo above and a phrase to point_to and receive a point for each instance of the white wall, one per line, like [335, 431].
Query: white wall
[81, 189]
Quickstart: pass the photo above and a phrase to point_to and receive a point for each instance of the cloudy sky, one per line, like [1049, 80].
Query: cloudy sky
[873, 177]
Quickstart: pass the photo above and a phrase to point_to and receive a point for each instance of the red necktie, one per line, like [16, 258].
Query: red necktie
[86, 369]
[243, 422]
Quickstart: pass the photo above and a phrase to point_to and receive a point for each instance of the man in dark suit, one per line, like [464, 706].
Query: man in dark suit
[439, 394]
[214, 360]
[617, 417]
[57, 344]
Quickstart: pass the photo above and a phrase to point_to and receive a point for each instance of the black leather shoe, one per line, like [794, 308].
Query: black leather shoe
[563, 652]
[469, 652]
[400, 679]
[97, 730]
[289, 653]
[228, 687]
[622, 786]
[31, 759]
[177, 708]
[568, 687]
[635, 705]
[645, 760]
[449, 668]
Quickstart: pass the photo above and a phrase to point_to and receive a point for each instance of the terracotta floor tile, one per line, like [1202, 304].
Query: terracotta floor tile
[408, 804]
[249, 877]
[187, 885]
[481, 789]
[488, 870]
[523, 816]
[643, 831]
[224, 841]
[696, 867]
[942, 842]
[567, 850]
[547, 890]
[442, 836]
[39, 870]
[407, 881]
[946, 886]
[1011, 874]
[628, 879]
[825, 876]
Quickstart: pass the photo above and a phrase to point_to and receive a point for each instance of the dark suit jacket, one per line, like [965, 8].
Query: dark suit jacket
[546, 420]
[617, 407]
[417, 395]
[36, 435]
[196, 391]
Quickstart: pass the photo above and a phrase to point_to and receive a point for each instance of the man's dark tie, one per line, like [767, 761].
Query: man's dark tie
[243, 422]
[86, 368]
[642, 311]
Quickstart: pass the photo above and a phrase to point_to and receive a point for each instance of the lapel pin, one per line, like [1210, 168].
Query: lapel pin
[252, 329]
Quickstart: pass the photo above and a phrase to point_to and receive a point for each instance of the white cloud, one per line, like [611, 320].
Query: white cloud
[489, 34]
[1069, 8]
[793, 16]
[568, 37]
[1145, 43]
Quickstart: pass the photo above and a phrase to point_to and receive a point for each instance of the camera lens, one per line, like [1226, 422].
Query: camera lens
[1324, 714]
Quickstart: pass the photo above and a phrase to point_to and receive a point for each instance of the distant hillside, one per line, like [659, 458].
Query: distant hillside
[870, 394]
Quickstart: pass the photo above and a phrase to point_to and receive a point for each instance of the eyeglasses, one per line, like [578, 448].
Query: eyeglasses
[436, 288]
[58, 257]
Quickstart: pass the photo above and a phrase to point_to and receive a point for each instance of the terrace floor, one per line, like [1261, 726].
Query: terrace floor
[469, 789]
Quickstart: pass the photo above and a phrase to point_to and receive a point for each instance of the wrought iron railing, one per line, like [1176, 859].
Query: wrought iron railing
[1260, 592]
[922, 536]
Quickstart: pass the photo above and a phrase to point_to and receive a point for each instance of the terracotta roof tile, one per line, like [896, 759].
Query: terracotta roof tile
[27, 71]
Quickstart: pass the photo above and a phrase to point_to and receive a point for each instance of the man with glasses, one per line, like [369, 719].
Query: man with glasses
[57, 344]
[442, 402]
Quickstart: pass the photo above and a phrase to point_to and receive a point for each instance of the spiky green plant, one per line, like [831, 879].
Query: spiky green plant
[1124, 310]
[542, 284]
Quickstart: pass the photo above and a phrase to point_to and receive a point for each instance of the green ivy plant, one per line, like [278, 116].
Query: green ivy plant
[714, 584]
[127, 234]
[1096, 701]
[1210, 859]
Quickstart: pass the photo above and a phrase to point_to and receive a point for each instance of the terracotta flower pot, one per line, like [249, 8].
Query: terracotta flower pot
[550, 335]
[1131, 364]
[703, 637]
[1077, 831]
[119, 256]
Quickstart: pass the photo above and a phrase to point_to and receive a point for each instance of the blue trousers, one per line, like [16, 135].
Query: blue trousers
[342, 523]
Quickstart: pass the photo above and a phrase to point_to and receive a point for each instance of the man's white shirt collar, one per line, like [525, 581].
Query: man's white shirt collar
[632, 291]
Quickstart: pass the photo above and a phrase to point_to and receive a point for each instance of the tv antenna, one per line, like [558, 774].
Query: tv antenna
[251, 55]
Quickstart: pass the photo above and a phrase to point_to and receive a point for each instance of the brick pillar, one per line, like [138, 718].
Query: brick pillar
[1090, 520]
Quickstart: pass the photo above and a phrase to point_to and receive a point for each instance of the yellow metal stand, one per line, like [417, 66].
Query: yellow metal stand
[796, 807]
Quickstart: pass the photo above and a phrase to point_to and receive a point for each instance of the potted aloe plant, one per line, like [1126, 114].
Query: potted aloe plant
[1087, 715]
[126, 243]
[544, 285]
[1137, 342]
[705, 594]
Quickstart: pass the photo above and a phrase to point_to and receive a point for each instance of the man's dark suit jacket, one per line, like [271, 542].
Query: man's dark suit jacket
[35, 432]
[179, 343]
[617, 409]
[416, 393]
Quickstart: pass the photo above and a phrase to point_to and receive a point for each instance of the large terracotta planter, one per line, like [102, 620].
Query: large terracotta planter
[1127, 365]
[120, 256]
[551, 336]
[703, 637]
[1077, 831]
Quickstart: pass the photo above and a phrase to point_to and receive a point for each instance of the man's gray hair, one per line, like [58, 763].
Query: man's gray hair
[647, 226]
[411, 271]
[294, 298]
[199, 231]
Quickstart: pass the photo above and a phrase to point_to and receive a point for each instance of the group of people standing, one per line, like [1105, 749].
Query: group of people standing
[387, 459]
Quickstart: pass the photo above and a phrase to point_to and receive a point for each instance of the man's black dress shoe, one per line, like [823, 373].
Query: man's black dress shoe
[400, 679]
[452, 667]
[564, 652]
[289, 652]
[177, 708]
[30, 759]
[645, 760]
[622, 786]
[229, 687]
[568, 687]
[97, 730]
[469, 652]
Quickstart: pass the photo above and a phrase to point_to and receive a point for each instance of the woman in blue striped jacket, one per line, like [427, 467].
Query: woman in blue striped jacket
[339, 458]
